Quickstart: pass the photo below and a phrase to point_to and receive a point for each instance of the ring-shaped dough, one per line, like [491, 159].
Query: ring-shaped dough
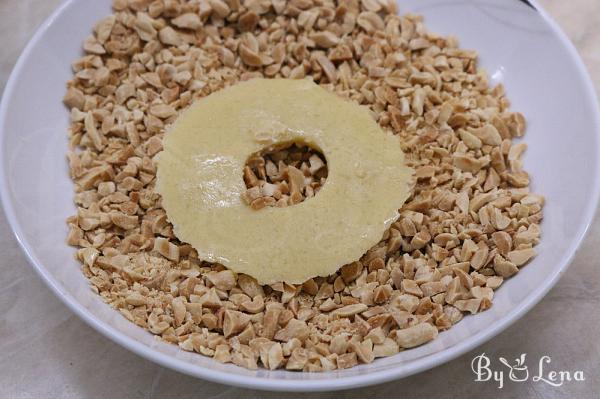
[200, 180]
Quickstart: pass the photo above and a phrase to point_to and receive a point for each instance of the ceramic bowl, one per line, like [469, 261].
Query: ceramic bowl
[520, 46]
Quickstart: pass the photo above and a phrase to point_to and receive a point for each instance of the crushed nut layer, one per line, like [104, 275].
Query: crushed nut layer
[471, 222]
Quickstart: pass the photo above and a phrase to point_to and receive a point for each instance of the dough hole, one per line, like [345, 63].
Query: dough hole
[283, 175]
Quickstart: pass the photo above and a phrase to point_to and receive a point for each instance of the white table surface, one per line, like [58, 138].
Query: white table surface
[47, 352]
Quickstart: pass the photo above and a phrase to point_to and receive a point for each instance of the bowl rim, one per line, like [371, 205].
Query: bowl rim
[281, 384]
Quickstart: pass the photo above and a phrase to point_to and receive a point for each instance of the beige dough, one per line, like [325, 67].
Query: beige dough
[200, 180]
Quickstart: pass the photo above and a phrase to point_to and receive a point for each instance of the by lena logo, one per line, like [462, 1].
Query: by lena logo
[518, 371]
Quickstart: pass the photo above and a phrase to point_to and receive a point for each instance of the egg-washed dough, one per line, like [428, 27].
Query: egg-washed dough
[200, 178]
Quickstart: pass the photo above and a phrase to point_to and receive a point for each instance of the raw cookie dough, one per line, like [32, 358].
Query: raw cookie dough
[201, 183]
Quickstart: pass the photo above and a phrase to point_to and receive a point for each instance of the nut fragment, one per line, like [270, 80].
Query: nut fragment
[187, 21]
[162, 111]
[234, 322]
[364, 351]
[270, 322]
[74, 98]
[166, 249]
[521, 256]
[297, 359]
[416, 335]
[347, 360]
[169, 36]
[179, 310]
[257, 305]
[468, 305]
[135, 299]
[250, 286]
[328, 68]
[325, 39]
[350, 310]
[294, 329]
[388, 347]
[220, 8]
[223, 280]
[504, 268]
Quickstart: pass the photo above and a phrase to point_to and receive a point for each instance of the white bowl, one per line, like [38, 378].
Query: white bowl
[519, 46]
